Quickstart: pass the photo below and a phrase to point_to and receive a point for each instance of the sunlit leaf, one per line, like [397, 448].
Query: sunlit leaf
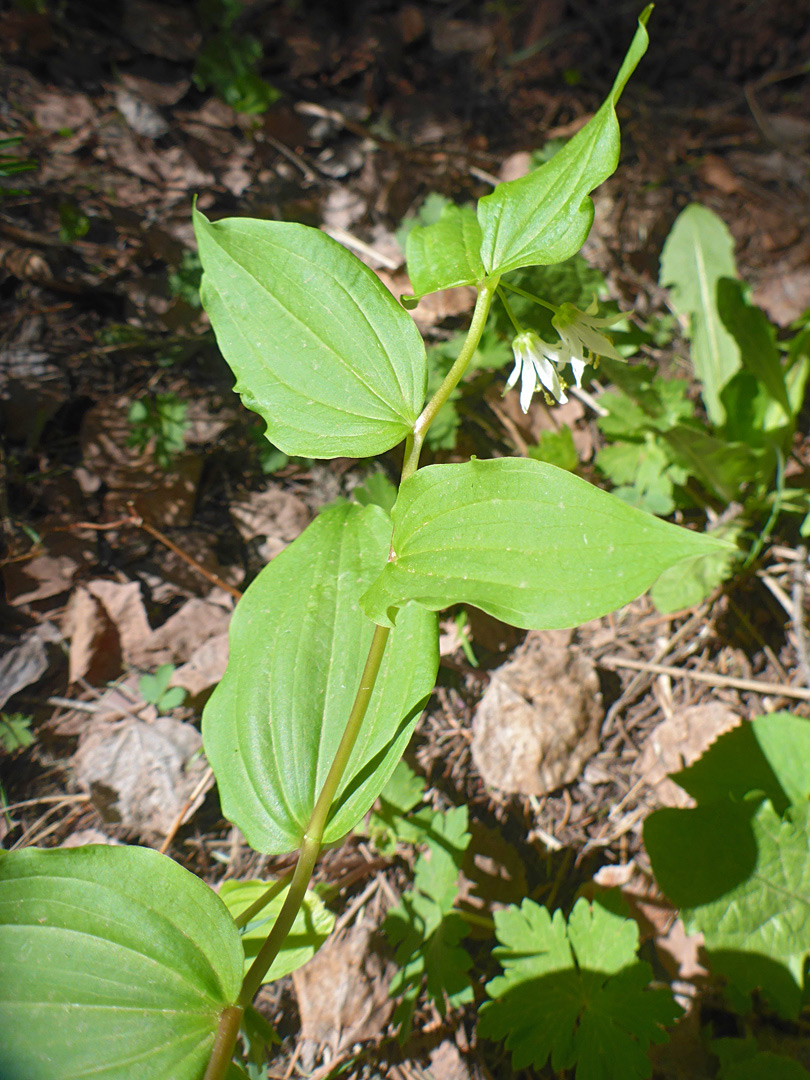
[531, 544]
[115, 964]
[545, 217]
[319, 347]
[298, 645]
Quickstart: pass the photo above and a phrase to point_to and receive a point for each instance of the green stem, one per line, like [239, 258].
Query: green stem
[413, 447]
[508, 308]
[531, 296]
[230, 1018]
[224, 1042]
[269, 894]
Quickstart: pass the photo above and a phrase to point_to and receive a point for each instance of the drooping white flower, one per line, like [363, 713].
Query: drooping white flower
[581, 336]
[536, 362]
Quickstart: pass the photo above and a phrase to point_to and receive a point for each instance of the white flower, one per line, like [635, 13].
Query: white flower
[581, 337]
[536, 362]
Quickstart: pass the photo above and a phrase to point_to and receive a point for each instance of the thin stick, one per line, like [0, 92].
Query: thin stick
[753, 685]
[47, 799]
[178, 821]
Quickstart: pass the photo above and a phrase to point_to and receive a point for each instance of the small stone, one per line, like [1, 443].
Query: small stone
[540, 718]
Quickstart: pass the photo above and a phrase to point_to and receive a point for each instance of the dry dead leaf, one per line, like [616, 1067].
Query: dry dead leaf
[677, 742]
[275, 513]
[343, 992]
[539, 719]
[139, 775]
[56, 110]
[205, 668]
[38, 579]
[26, 663]
[784, 292]
[143, 118]
[194, 624]
[95, 644]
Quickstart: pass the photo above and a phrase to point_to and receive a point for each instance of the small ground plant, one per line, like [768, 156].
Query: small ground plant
[118, 962]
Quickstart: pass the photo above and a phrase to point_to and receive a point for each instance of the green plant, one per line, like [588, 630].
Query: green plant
[661, 455]
[574, 992]
[155, 689]
[184, 280]
[736, 865]
[160, 421]
[333, 648]
[228, 60]
[15, 731]
[11, 165]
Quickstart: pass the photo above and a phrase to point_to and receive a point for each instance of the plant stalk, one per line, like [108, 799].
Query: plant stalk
[224, 1043]
[413, 447]
[312, 839]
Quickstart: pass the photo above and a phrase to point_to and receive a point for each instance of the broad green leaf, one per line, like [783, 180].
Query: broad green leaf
[545, 217]
[319, 347]
[531, 544]
[313, 925]
[740, 1059]
[446, 254]
[741, 876]
[756, 339]
[770, 755]
[698, 252]
[298, 645]
[115, 964]
[722, 467]
[575, 994]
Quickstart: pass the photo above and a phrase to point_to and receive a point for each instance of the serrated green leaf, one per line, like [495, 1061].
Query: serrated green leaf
[424, 927]
[556, 448]
[752, 899]
[319, 347]
[436, 872]
[298, 645]
[387, 824]
[644, 472]
[546, 216]
[769, 754]
[446, 254]
[313, 925]
[757, 1064]
[698, 252]
[574, 994]
[15, 731]
[115, 963]
[376, 490]
[404, 789]
[528, 543]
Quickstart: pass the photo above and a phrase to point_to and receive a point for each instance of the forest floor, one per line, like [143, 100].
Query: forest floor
[138, 497]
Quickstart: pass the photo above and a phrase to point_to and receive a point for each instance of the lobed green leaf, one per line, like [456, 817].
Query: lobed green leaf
[574, 993]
